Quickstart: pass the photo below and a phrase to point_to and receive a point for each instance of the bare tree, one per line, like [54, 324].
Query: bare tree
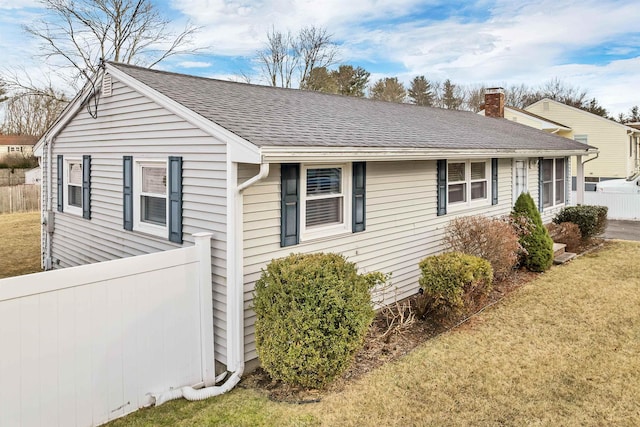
[474, 98]
[77, 34]
[284, 53]
[279, 58]
[31, 114]
[3, 90]
[388, 89]
[315, 48]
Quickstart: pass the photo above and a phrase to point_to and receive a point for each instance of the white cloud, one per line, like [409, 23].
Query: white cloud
[194, 64]
[512, 42]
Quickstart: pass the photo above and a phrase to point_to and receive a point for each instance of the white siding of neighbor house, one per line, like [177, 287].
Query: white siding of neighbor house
[130, 124]
[401, 226]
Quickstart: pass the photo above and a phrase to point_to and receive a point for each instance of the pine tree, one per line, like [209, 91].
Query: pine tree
[420, 92]
[537, 241]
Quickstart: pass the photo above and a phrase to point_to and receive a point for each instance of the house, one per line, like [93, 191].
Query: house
[16, 145]
[143, 159]
[618, 144]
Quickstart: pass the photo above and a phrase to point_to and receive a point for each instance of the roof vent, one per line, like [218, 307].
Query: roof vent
[106, 85]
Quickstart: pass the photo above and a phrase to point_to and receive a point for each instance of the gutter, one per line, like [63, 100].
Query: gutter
[334, 154]
[235, 294]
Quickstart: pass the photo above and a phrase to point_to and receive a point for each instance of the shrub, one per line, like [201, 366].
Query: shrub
[451, 280]
[536, 242]
[313, 312]
[567, 233]
[592, 220]
[493, 239]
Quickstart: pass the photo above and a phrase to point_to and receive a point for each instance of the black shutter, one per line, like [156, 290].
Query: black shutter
[127, 192]
[540, 185]
[494, 181]
[60, 184]
[175, 199]
[86, 186]
[359, 199]
[442, 187]
[290, 204]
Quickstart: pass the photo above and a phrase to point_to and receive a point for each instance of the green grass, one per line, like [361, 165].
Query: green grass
[19, 244]
[563, 350]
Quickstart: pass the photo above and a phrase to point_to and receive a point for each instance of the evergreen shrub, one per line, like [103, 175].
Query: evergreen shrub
[451, 280]
[592, 220]
[536, 240]
[313, 312]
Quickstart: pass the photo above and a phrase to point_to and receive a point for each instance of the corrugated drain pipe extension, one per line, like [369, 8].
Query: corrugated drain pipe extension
[190, 393]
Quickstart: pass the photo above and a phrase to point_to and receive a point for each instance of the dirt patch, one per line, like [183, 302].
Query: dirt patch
[382, 346]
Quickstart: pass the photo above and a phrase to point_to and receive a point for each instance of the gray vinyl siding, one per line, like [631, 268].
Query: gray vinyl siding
[401, 229]
[130, 124]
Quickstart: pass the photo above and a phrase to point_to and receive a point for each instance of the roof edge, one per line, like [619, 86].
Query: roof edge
[341, 154]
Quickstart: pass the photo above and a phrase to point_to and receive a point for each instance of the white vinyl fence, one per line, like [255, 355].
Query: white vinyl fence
[621, 205]
[83, 345]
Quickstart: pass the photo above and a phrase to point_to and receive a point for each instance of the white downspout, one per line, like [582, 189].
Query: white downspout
[235, 294]
[47, 227]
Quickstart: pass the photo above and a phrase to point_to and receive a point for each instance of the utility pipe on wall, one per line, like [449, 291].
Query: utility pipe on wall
[235, 299]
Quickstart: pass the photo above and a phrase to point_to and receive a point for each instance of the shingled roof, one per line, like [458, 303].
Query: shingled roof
[276, 117]
[17, 140]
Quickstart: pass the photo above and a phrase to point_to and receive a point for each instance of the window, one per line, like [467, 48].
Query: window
[467, 182]
[321, 200]
[150, 197]
[324, 196]
[553, 184]
[74, 185]
[584, 139]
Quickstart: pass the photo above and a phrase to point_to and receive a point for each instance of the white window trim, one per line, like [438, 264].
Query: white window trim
[526, 177]
[553, 181]
[138, 224]
[75, 210]
[469, 204]
[329, 230]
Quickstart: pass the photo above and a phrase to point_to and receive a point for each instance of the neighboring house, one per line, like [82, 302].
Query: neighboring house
[16, 145]
[618, 144]
[154, 157]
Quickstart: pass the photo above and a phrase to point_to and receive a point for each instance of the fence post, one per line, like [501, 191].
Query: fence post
[203, 250]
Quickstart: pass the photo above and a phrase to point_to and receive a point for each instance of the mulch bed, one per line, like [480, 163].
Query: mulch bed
[382, 346]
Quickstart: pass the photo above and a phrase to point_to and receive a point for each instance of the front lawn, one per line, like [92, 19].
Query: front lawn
[19, 244]
[563, 350]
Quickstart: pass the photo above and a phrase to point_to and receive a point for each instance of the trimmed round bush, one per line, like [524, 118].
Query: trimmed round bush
[313, 312]
[535, 240]
[592, 220]
[451, 280]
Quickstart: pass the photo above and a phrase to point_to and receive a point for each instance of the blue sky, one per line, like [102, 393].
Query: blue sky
[594, 45]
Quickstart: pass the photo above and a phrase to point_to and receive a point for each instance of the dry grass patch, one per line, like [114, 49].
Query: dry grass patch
[562, 350]
[19, 244]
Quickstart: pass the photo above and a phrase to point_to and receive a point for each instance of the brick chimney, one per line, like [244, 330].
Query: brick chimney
[494, 102]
